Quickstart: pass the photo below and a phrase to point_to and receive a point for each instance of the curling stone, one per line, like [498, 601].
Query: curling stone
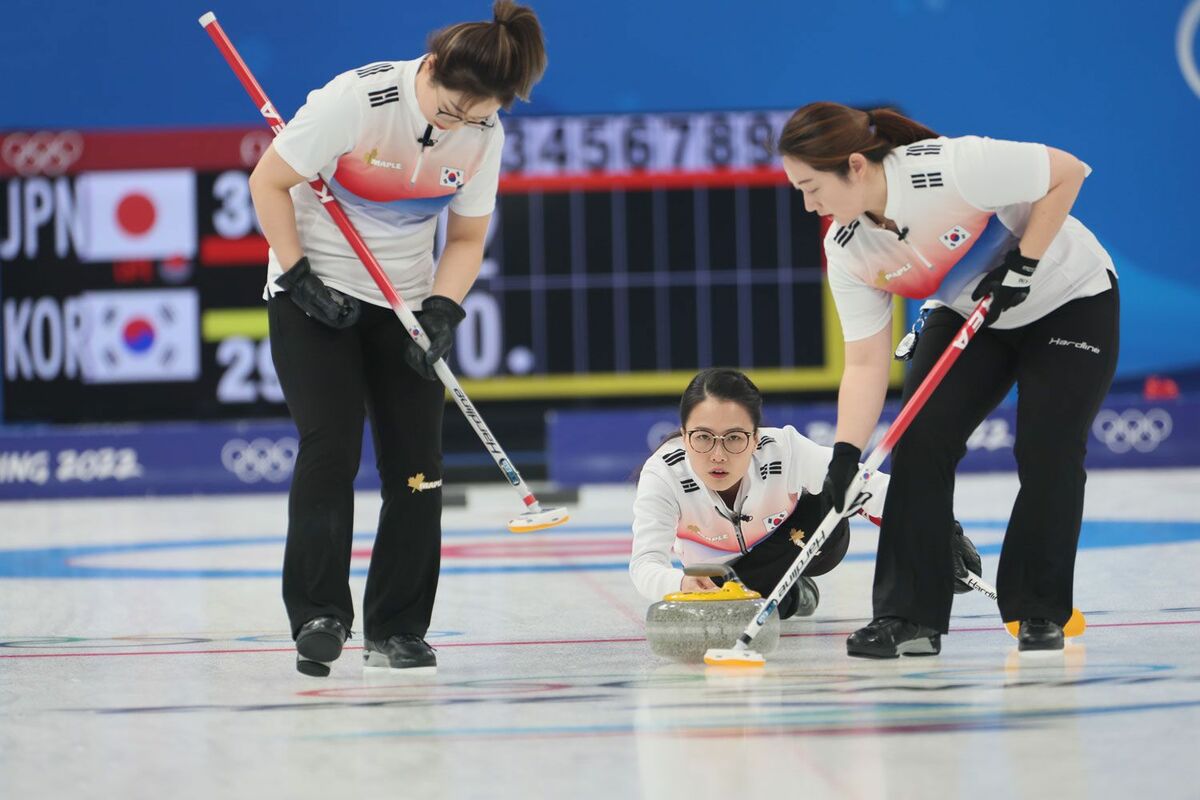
[686, 624]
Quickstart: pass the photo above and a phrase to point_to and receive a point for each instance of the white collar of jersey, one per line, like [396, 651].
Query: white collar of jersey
[409, 89]
[744, 487]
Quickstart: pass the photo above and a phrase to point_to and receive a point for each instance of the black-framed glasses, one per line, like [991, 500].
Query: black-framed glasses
[455, 119]
[458, 119]
[734, 442]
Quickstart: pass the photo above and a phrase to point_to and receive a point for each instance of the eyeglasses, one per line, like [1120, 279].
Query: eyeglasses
[458, 119]
[734, 442]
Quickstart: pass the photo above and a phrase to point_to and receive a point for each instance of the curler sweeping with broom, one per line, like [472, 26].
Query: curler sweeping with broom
[396, 142]
[956, 220]
[725, 490]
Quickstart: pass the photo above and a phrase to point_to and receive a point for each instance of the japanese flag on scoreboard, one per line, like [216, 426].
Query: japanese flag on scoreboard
[141, 336]
[143, 214]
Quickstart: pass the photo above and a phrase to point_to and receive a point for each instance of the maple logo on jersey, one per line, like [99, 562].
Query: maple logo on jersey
[451, 176]
[141, 336]
[883, 278]
[379, 162]
[143, 214]
[954, 237]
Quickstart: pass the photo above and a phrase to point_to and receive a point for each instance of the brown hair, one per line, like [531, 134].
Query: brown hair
[501, 59]
[825, 135]
[721, 384]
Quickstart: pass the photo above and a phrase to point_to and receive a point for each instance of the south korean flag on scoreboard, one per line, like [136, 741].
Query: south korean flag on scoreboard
[141, 336]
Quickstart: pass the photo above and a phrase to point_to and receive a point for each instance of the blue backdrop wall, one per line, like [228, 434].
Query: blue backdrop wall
[1114, 82]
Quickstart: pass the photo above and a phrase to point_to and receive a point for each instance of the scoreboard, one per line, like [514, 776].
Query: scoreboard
[625, 252]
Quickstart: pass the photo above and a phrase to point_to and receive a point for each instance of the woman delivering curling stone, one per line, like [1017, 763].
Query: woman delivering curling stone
[954, 220]
[727, 491]
[397, 142]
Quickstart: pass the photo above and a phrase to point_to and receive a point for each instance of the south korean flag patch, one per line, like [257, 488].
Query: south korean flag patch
[954, 237]
[774, 521]
[451, 176]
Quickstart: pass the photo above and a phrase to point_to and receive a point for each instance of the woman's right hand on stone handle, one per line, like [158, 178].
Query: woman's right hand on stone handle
[690, 584]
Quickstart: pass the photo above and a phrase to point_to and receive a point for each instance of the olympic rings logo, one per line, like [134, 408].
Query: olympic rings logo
[261, 459]
[42, 153]
[1133, 430]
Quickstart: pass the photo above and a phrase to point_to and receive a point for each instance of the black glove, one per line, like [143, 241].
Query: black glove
[316, 299]
[1008, 284]
[966, 557]
[843, 467]
[439, 316]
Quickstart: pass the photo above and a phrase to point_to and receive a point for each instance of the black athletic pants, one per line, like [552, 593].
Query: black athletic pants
[768, 561]
[1062, 365]
[331, 379]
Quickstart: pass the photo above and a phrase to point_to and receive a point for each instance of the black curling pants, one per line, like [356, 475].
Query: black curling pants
[333, 379]
[1062, 365]
[768, 561]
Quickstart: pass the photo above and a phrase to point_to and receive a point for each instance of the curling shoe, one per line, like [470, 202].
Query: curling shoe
[802, 600]
[404, 651]
[1039, 634]
[889, 637]
[319, 644]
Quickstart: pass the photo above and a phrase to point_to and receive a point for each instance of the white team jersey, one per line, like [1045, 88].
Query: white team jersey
[360, 132]
[675, 511]
[961, 204]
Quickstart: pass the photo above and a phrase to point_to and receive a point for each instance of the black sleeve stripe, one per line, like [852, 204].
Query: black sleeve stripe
[674, 457]
[374, 69]
[844, 235]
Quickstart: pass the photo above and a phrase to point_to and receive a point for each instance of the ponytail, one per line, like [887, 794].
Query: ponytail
[500, 60]
[824, 135]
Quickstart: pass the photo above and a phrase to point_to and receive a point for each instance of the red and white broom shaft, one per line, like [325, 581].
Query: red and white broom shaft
[894, 432]
[335, 210]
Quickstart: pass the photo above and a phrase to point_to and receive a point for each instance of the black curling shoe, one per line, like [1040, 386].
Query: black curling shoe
[404, 651]
[808, 596]
[889, 637]
[801, 600]
[319, 644]
[1039, 634]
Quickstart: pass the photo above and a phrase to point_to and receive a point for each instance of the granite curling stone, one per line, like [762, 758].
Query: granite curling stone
[684, 625]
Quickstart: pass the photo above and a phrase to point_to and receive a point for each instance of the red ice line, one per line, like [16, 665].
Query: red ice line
[615, 640]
